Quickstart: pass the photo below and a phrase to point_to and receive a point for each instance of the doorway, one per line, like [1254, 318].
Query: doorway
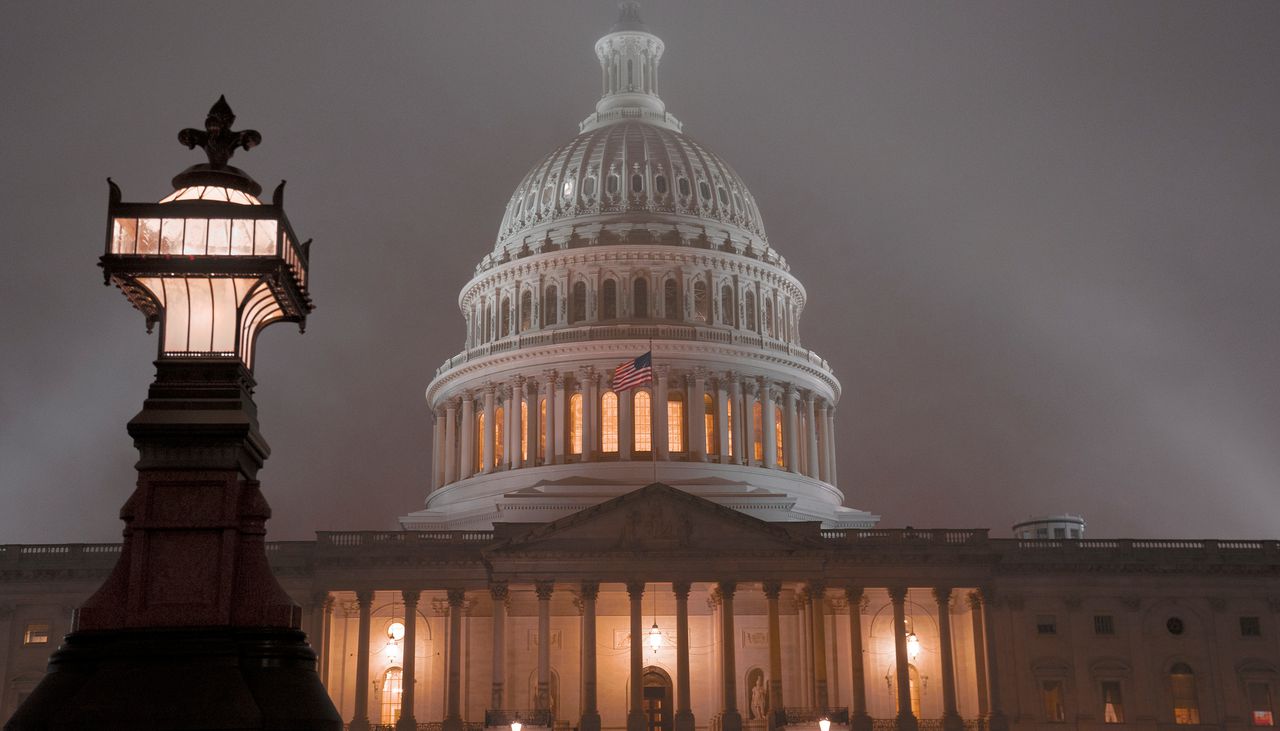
[659, 712]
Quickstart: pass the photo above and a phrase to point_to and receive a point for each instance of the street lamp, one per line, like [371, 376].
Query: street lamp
[192, 596]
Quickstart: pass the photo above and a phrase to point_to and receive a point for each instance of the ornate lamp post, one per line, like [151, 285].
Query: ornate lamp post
[191, 630]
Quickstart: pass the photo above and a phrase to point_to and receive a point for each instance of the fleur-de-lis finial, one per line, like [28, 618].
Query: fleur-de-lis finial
[217, 138]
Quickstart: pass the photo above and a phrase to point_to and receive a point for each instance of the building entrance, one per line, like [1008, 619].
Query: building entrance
[658, 711]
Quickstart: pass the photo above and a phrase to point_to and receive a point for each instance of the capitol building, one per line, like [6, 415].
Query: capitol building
[678, 555]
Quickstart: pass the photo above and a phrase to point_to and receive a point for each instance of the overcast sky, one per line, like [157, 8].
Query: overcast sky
[1041, 241]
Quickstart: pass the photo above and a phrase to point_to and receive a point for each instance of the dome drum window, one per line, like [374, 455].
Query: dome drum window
[685, 189]
[704, 190]
[589, 186]
[660, 185]
[611, 185]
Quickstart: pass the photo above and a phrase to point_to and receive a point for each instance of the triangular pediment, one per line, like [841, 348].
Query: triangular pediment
[657, 518]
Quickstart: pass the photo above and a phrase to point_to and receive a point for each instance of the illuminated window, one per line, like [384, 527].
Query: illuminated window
[1051, 691]
[550, 303]
[777, 431]
[728, 314]
[37, 633]
[392, 692]
[757, 420]
[913, 676]
[1186, 704]
[1260, 709]
[567, 188]
[524, 430]
[1112, 702]
[640, 297]
[506, 317]
[670, 300]
[709, 424]
[729, 426]
[609, 300]
[700, 303]
[542, 430]
[609, 421]
[675, 422]
[498, 428]
[575, 424]
[479, 441]
[751, 310]
[642, 422]
[578, 312]
[526, 310]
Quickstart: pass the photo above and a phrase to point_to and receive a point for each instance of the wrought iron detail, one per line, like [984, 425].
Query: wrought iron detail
[217, 139]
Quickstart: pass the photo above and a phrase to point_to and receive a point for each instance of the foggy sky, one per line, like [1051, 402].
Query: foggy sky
[1040, 240]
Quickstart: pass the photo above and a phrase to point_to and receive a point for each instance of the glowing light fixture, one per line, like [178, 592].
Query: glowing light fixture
[913, 646]
[396, 631]
[516, 726]
[210, 263]
[824, 724]
[654, 640]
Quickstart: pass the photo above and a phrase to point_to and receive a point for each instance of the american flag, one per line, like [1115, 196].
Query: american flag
[633, 373]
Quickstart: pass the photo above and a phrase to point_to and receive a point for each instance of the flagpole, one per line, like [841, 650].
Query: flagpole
[653, 409]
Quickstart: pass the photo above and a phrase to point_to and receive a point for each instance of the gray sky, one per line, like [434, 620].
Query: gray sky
[1039, 239]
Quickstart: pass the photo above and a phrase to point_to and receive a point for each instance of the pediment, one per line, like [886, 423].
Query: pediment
[657, 518]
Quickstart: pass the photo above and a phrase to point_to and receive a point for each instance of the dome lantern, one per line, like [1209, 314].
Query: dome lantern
[629, 56]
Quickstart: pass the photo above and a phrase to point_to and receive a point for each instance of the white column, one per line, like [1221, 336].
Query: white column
[695, 414]
[549, 380]
[749, 421]
[512, 457]
[529, 392]
[659, 406]
[770, 435]
[735, 398]
[437, 451]
[466, 454]
[824, 442]
[790, 453]
[626, 424]
[811, 437]
[722, 419]
[486, 456]
[451, 442]
[561, 430]
[590, 412]
[831, 434]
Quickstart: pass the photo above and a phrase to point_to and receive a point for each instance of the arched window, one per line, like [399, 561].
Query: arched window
[526, 310]
[642, 421]
[640, 297]
[479, 441]
[486, 318]
[701, 304]
[728, 313]
[709, 424]
[550, 306]
[768, 316]
[506, 317]
[757, 418]
[777, 431]
[575, 424]
[524, 430]
[609, 300]
[1186, 703]
[609, 422]
[671, 300]
[392, 692]
[499, 426]
[751, 310]
[913, 676]
[675, 422]
[578, 312]
[542, 431]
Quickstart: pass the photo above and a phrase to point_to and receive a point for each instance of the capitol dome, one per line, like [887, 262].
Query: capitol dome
[632, 239]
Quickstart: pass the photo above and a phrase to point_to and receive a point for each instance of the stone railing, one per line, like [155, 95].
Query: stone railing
[932, 536]
[558, 334]
[353, 539]
[539, 718]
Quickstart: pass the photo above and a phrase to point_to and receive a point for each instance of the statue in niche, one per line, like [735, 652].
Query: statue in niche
[759, 694]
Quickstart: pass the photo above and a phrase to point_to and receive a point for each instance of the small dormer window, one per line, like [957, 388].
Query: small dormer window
[704, 190]
[660, 184]
[589, 186]
[567, 188]
[637, 183]
[723, 195]
[611, 185]
[684, 187]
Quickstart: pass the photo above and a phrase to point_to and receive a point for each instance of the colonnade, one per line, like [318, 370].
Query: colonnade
[693, 415]
[812, 656]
